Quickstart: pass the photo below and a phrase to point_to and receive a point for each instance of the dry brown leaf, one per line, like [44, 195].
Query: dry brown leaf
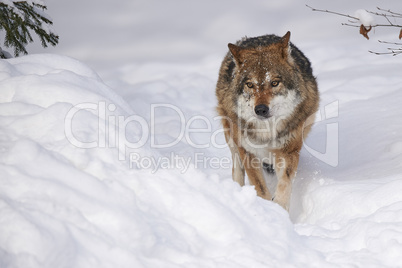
[364, 31]
[400, 34]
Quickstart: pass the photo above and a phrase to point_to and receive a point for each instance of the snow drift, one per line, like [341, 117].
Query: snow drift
[70, 199]
[65, 206]
[78, 186]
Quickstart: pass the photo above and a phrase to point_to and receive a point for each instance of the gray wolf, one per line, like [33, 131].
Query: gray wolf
[266, 92]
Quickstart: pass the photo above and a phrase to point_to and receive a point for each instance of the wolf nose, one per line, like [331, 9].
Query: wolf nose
[261, 110]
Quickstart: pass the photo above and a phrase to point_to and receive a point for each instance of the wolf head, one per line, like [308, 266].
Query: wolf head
[266, 80]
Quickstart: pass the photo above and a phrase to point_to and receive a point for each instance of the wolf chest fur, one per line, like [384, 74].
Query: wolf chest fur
[266, 93]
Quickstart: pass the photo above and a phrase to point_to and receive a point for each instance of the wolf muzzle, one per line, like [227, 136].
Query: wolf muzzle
[262, 110]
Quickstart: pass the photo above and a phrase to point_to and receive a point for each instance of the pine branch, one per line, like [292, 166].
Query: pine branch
[9, 21]
[19, 20]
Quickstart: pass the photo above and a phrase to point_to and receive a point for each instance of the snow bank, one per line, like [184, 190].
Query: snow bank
[363, 229]
[365, 18]
[73, 198]
[65, 206]
[73, 189]
[62, 205]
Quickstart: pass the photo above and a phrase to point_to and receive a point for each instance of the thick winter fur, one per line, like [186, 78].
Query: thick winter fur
[266, 92]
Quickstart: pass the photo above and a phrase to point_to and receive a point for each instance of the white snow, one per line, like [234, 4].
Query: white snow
[365, 18]
[124, 163]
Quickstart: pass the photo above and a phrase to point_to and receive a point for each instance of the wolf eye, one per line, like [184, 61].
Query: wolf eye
[274, 83]
[249, 84]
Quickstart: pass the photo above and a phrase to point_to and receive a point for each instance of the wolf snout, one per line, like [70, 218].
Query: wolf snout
[262, 110]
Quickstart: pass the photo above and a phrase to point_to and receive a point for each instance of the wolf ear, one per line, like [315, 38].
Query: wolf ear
[285, 45]
[236, 52]
[285, 39]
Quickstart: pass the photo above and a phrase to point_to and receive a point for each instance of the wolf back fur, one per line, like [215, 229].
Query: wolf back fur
[266, 93]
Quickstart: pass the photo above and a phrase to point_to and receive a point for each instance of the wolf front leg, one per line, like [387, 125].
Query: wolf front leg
[237, 168]
[252, 165]
[285, 168]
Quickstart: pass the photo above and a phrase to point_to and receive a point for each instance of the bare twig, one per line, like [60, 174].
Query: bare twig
[332, 12]
[357, 19]
[390, 12]
[386, 14]
[395, 52]
[377, 25]
[391, 43]
[351, 25]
